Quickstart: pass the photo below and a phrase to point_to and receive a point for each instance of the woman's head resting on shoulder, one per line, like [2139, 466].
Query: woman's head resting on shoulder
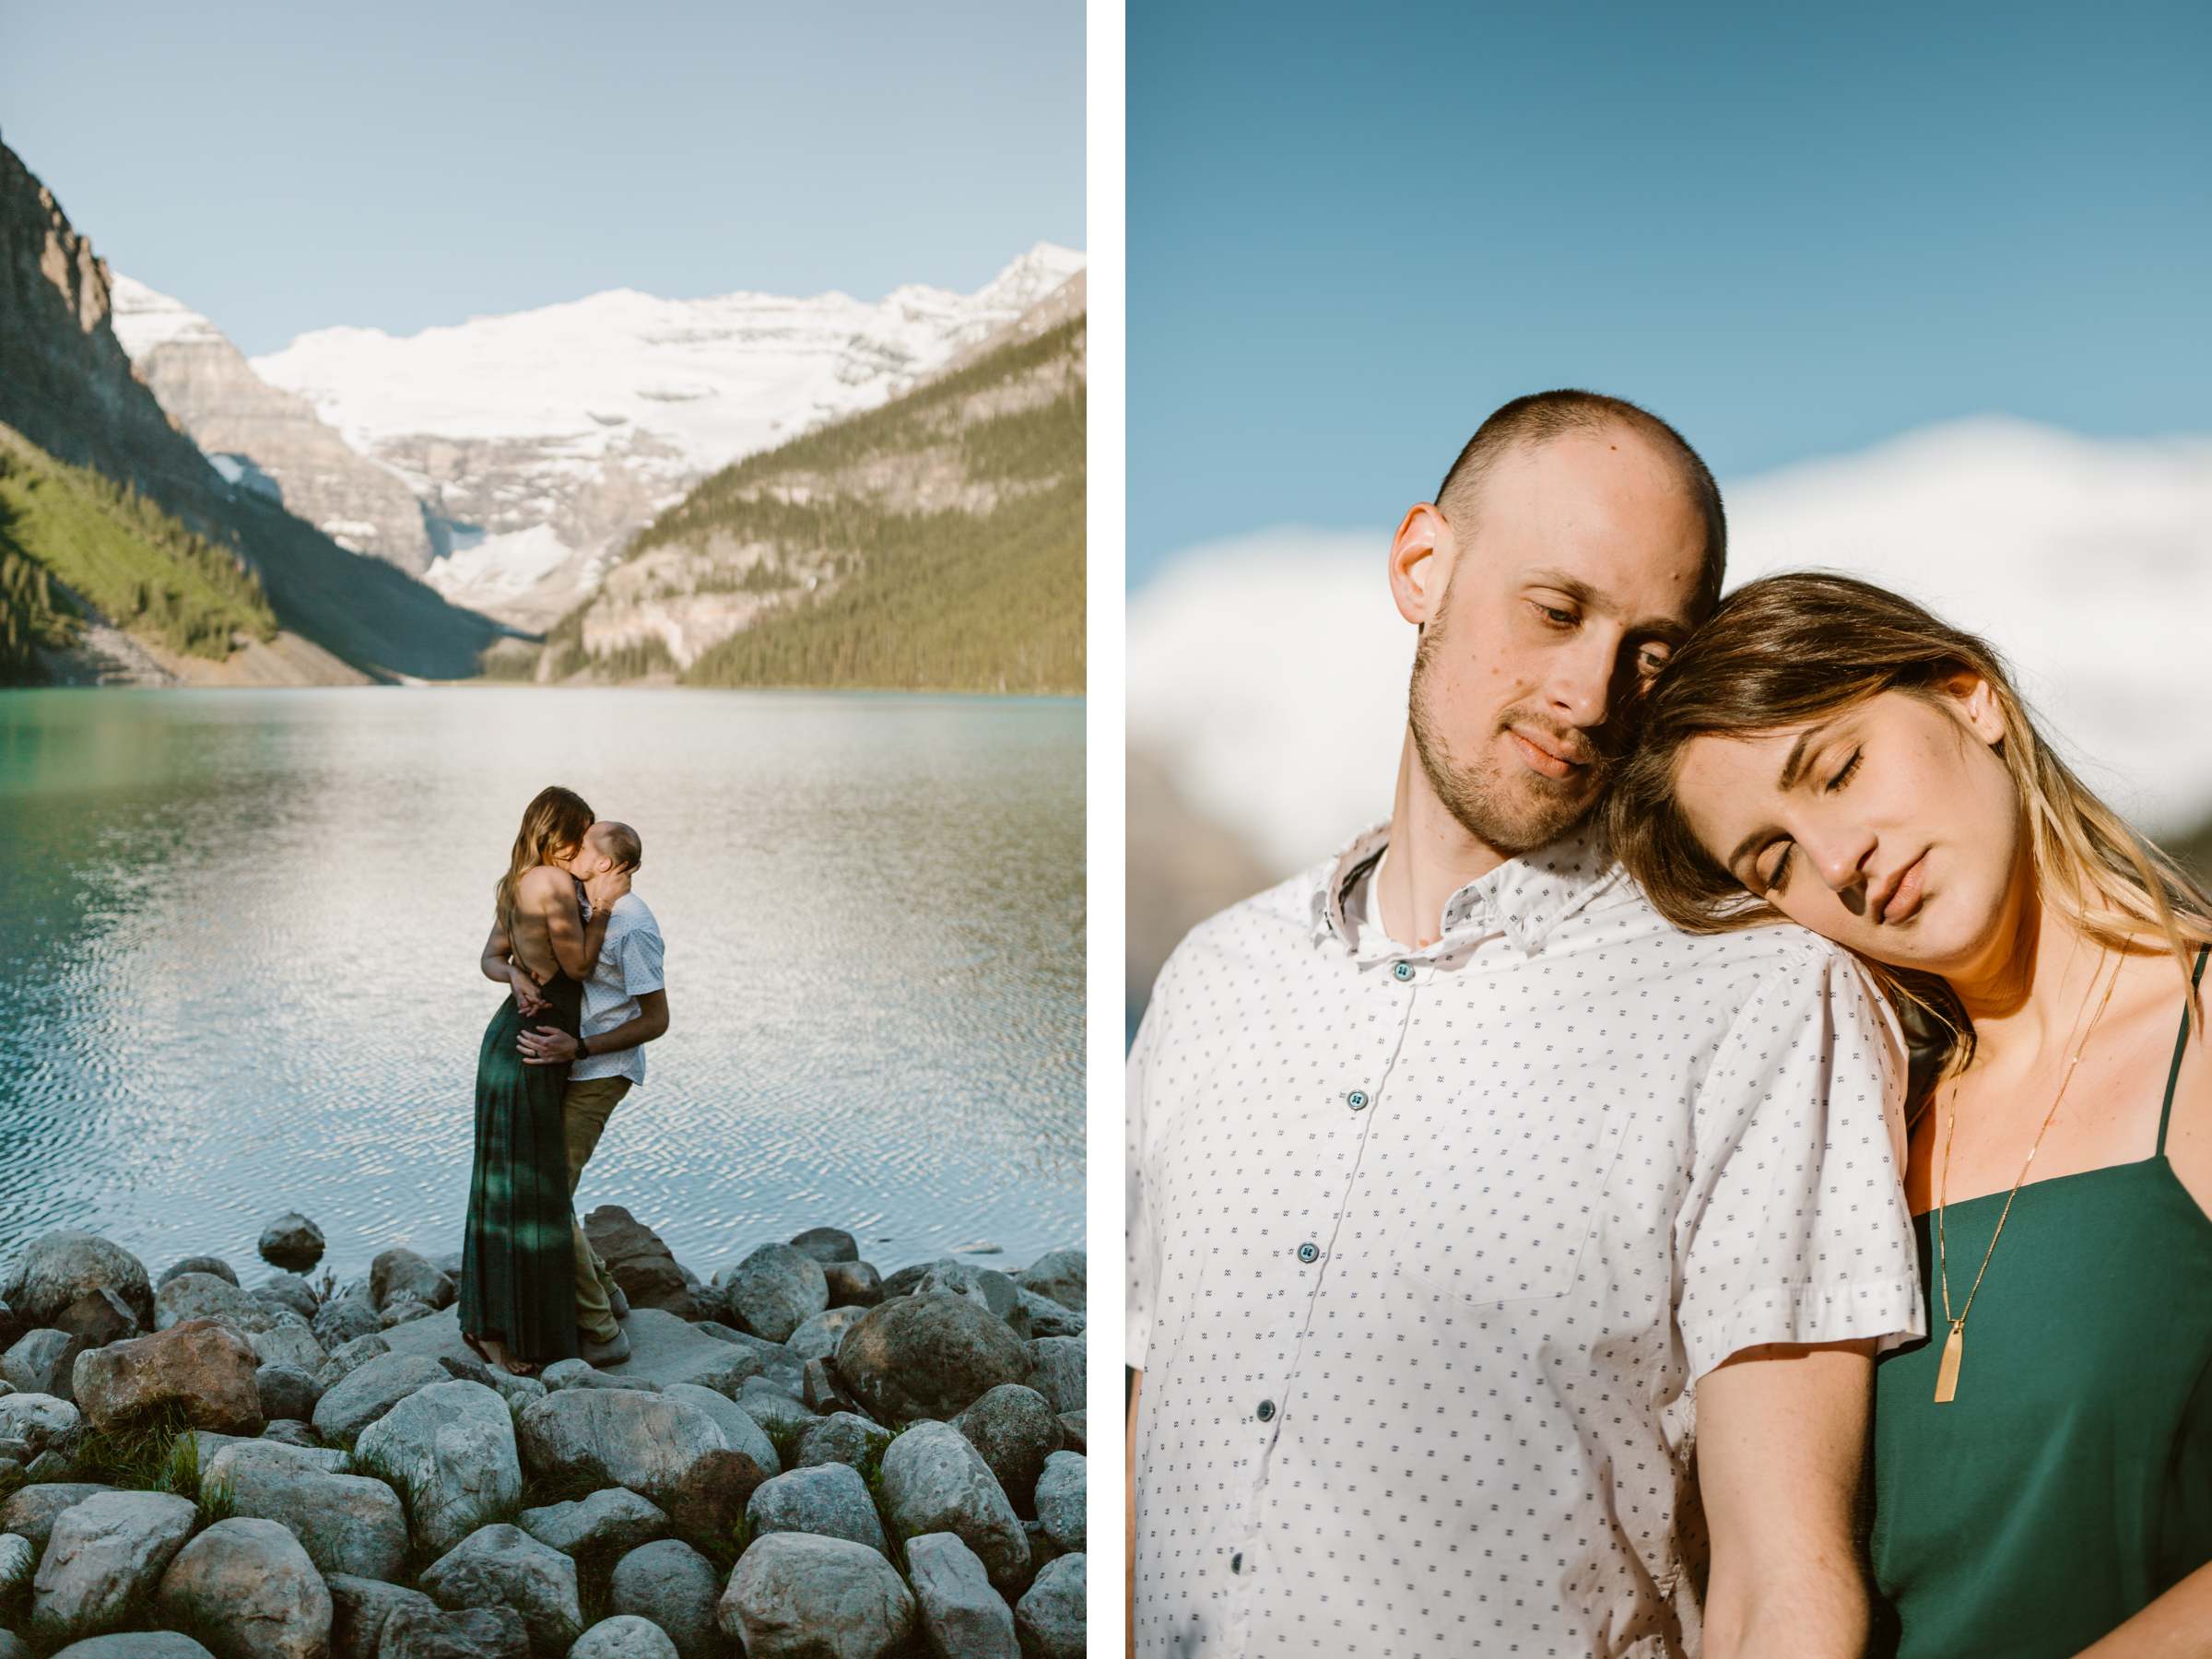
[1826, 751]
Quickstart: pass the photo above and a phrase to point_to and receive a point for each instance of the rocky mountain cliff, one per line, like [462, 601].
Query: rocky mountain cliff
[534, 445]
[67, 388]
[936, 541]
[268, 439]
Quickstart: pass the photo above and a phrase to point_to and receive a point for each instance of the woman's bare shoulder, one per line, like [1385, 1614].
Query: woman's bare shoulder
[541, 882]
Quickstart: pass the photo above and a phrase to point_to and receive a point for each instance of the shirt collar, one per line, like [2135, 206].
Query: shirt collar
[1524, 898]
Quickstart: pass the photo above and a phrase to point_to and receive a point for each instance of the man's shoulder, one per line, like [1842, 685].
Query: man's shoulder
[632, 914]
[1735, 963]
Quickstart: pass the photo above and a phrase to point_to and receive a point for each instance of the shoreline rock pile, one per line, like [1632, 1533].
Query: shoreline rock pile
[799, 1457]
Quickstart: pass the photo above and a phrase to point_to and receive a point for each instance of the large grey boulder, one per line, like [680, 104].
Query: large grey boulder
[359, 1607]
[347, 1524]
[819, 1336]
[1063, 1275]
[828, 1245]
[987, 1288]
[104, 1554]
[739, 1427]
[43, 1361]
[1057, 1370]
[199, 1263]
[286, 1391]
[773, 1291]
[398, 1273]
[345, 1318]
[18, 1560]
[927, 1356]
[292, 1241]
[829, 1500]
[100, 1317]
[962, 1615]
[1048, 1318]
[31, 1512]
[1049, 1619]
[57, 1267]
[350, 1357]
[249, 1585]
[361, 1396]
[38, 1421]
[674, 1586]
[293, 1345]
[795, 1595]
[290, 1290]
[192, 1296]
[411, 1633]
[934, 1481]
[845, 1437]
[617, 1437]
[221, 1453]
[504, 1566]
[625, 1636]
[1014, 1428]
[767, 1405]
[133, 1644]
[612, 1522]
[1060, 1500]
[450, 1446]
[202, 1369]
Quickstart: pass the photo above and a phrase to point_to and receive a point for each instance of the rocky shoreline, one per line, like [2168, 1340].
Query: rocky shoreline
[799, 1457]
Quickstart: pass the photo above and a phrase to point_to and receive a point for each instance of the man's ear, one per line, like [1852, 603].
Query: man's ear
[1420, 562]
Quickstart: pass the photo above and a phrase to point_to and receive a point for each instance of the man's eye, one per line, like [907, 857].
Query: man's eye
[1554, 615]
[1651, 662]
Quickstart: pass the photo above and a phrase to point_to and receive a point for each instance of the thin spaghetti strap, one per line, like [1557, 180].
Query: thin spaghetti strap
[2180, 1047]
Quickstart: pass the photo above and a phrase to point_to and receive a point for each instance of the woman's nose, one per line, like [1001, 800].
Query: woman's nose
[1842, 860]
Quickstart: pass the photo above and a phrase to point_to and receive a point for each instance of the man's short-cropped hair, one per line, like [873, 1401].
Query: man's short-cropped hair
[619, 843]
[1540, 416]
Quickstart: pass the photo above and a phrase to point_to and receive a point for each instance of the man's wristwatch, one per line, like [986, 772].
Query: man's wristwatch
[584, 1047]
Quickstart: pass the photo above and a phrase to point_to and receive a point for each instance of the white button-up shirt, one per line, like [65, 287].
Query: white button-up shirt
[1427, 1250]
[629, 965]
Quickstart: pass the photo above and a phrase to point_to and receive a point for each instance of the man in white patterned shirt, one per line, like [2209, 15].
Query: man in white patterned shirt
[1467, 1198]
[624, 1007]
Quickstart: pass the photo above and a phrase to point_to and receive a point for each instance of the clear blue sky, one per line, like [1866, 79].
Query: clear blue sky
[284, 167]
[1792, 230]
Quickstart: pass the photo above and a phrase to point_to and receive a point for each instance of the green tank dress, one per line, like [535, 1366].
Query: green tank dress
[518, 1262]
[2069, 1483]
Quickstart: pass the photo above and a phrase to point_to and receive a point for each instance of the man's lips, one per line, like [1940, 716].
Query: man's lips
[1903, 897]
[1544, 757]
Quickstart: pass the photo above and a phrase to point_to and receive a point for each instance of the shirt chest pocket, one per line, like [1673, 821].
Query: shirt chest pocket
[1493, 1197]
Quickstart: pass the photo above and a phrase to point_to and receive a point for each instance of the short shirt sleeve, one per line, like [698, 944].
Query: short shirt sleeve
[1795, 1228]
[642, 960]
[1140, 1235]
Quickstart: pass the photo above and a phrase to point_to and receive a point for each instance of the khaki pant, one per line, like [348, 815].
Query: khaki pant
[584, 1108]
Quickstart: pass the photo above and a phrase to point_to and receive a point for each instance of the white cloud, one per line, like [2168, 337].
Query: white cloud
[1268, 672]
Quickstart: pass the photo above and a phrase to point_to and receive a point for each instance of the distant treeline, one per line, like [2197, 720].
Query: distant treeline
[938, 600]
[27, 618]
[122, 555]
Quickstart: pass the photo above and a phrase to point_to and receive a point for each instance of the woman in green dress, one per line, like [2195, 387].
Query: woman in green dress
[1825, 752]
[518, 1277]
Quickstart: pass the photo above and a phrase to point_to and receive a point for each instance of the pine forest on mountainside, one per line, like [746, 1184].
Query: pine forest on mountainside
[871, 588]
[67, 530]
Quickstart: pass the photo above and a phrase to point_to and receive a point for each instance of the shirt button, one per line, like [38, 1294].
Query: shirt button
[1309, 1252]
[1267, 1409]
[1236, 1562]
[1356, 1100]
[1403, 972]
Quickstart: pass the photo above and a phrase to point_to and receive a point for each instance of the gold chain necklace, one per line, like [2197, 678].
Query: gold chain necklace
[1954, 1348]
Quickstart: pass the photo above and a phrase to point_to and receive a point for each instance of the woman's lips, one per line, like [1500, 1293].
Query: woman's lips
[1905, 899]
[1542, 760]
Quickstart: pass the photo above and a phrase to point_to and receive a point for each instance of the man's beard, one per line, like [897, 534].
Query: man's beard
[1507, 820]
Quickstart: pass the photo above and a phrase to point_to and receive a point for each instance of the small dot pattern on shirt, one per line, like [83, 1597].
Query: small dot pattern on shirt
[1418, 1369]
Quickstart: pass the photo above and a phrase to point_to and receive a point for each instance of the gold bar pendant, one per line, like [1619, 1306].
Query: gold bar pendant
[1947, 1374]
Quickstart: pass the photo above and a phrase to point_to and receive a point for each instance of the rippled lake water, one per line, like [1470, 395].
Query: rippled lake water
[238, 935]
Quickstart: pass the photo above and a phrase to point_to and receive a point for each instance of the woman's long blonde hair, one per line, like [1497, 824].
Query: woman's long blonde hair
[554, 822]
[1789, 649]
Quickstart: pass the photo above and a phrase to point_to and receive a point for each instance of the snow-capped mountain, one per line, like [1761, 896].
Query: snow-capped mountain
[531, 446]
[2087, 561]
[539, 441]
